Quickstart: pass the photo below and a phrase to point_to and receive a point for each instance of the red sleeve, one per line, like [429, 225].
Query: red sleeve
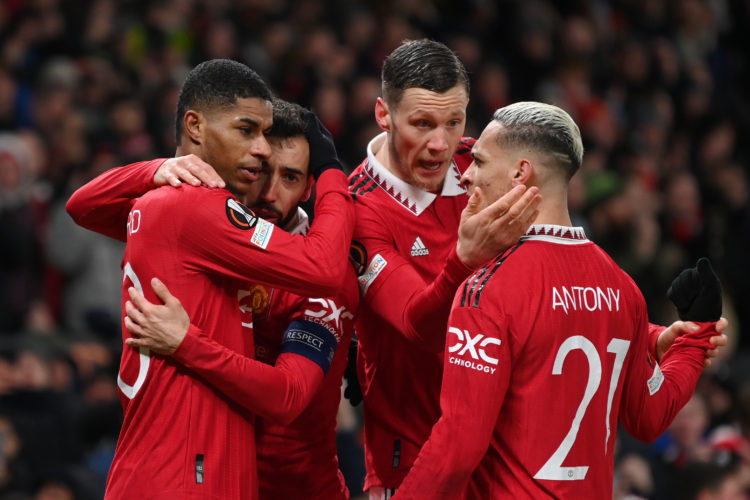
[214, 241]
[653, 394]
[102, 205]
[469, 417]
[398, 293]
[280, 392]
[653, 336]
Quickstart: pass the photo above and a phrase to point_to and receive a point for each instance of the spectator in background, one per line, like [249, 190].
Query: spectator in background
[706, 481]
[22, 213]
[89, 264]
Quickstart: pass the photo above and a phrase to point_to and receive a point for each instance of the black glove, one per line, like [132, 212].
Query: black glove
[353, 391]
[696, 293]
[322, 151]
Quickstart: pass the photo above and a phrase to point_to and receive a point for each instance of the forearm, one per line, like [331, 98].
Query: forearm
[425, 317]
[280, 392]
[653, 337]
[321, 260]
[416, 309]
[665, 394]
[102, 205]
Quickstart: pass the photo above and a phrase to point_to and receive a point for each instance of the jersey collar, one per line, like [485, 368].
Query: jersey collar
[416, 200]
[303, 223]
[566, 235]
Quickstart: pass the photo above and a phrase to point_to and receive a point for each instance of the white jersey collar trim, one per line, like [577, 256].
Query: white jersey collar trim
[303, 223]
[566, 235]
[414, 199]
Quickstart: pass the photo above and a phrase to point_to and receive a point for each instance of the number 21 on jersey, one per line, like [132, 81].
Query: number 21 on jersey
[553, 468]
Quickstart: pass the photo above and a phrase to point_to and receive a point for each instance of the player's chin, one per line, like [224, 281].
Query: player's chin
[430, 180]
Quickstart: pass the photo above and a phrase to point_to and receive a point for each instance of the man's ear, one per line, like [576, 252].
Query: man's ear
[523, 173]
[194, 125]
[308, 188]
[383, 114]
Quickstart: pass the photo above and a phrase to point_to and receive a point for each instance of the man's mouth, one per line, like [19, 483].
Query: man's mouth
[251, 174]
[431, 165]
[267, 214]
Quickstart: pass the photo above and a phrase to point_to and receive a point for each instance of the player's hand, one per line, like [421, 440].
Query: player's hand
[159, 328]
[353, 391]
[190, 169]
[482, 234]
[669, 335]
[696, 293]
[322, 150]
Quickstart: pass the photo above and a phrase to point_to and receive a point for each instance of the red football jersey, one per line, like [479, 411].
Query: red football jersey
[547, 346]
[299, 459]
[181, 438]
[404, 239]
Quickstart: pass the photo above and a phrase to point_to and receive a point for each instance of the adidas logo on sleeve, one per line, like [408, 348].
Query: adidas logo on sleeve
[418, 249]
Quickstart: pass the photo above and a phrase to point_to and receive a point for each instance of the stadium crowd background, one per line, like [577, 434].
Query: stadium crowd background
[658, 89]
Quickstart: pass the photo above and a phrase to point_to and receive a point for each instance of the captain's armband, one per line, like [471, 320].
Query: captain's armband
[311, 340]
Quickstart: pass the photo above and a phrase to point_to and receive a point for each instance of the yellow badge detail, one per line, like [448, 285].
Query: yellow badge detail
[258, 299]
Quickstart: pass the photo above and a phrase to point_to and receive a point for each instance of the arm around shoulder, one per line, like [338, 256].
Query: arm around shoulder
[102, 205]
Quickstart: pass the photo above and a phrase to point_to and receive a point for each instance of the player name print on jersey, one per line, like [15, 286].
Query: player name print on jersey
[585, 298]
[418, 249]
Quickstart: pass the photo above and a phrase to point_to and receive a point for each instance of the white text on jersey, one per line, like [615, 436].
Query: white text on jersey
[134, 221]
[474, 346]
[580, 298]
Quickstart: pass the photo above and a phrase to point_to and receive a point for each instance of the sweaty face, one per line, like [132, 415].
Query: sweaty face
[233, 141]
[425, 129]
[493, 168]
[283, 183]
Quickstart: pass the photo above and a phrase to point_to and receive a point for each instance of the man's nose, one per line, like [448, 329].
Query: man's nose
[260, 147]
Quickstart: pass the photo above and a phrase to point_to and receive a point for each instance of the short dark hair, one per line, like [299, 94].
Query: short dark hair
[288, 120]
[424, 64]
[218, 83]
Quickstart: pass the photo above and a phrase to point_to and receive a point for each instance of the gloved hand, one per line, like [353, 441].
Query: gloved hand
[696, 293]
[353, 391]
[322, 150]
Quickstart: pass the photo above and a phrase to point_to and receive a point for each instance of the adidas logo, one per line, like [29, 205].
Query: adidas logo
[418, 249]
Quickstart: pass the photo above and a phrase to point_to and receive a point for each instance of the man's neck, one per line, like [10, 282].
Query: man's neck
[553, 212]
[382, 153]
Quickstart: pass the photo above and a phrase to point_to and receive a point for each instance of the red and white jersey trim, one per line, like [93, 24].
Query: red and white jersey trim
[564, 235]
[303, 223]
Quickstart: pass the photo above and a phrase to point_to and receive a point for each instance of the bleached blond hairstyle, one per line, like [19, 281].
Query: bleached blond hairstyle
[543, 128]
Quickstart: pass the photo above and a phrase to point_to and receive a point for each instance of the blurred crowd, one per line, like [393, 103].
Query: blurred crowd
[657, 88]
